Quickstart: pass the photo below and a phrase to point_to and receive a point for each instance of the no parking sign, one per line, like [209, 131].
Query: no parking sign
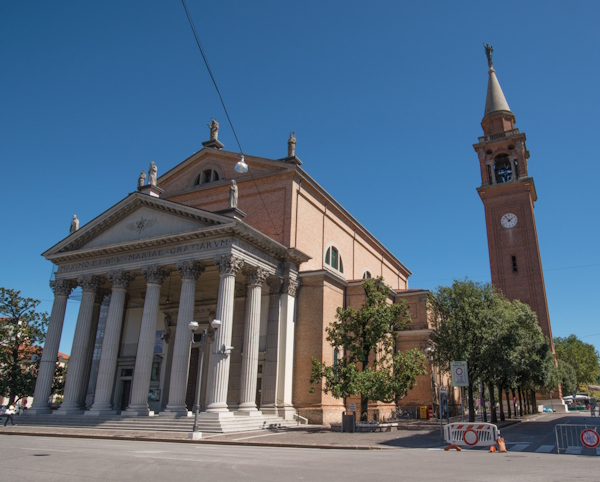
[590, 438]
[460, 377]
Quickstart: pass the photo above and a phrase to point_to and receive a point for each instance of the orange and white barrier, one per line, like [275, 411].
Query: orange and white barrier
[471, 434]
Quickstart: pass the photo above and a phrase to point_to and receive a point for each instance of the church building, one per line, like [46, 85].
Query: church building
[259, 259]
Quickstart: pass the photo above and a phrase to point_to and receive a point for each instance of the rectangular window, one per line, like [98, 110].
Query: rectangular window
[514, 264]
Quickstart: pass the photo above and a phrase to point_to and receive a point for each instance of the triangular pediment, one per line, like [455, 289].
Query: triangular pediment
[137, 218]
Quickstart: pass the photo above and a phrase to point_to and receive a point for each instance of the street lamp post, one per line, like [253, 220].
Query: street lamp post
[193, 326]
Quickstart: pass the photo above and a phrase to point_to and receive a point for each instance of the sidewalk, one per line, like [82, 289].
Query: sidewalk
[413, 435]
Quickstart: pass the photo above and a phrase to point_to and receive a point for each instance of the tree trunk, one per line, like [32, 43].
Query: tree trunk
[482, 396]
[526, 401]
[494, 417]
[520, 403]
[508, 403]
[514, 402]
[501, 407]
[471, 404]
[364, 408]
[534, 402]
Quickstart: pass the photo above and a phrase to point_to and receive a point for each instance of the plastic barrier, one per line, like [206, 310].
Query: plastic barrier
[471, 434]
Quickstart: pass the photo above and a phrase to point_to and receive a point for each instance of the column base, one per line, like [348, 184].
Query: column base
[215, 415]
[68, 411]
[175, 413]
[138, 410]
[38, 411]
[287, 413]
[269, 410]
[249, 413]
[102, 408]
[99, 413]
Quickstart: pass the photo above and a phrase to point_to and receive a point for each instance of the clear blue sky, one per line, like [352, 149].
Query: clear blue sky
[386, 100]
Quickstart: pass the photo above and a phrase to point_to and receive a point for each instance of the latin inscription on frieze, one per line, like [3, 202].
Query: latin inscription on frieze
[151, 254]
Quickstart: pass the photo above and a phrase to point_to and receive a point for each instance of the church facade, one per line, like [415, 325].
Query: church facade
[260, 260]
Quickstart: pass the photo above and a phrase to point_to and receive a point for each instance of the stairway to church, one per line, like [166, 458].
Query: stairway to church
[157, 423]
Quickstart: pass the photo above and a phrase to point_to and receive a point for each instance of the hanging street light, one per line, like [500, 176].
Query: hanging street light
[241, 166]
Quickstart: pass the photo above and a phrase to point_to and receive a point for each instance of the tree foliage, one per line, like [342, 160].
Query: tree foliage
[500, 340]
[583, 357]
[365, 340]
[22, 330]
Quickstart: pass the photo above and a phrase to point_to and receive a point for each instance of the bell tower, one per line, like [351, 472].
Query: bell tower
[508, 195]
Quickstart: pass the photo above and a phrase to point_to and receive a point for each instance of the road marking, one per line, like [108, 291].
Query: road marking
[545, 449]
[256, 436]
[519, 447]
[573, 450]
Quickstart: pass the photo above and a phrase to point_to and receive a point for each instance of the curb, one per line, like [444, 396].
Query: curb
[206, 441]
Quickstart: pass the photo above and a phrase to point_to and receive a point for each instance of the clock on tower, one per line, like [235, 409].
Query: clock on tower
[508, 194]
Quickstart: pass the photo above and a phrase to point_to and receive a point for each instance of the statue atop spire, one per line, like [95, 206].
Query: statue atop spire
[489, 51]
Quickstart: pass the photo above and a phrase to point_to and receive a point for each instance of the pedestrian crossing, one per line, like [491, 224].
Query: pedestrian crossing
[545, 449]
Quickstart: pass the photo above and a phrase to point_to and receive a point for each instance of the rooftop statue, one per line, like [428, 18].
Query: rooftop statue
[214, 130]
[74, 224]
[152, 174]
[489, 51]
[292, 145]
[142, 179]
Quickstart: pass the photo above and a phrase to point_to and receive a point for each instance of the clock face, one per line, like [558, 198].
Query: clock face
[509, 220]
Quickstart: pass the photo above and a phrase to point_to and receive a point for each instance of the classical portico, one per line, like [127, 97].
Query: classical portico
[164, 264]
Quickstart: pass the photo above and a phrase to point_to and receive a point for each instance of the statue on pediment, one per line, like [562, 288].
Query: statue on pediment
[74, 224]
[142, 179]
[292, 145]
[214, 130]
[152, 174]
[233, 194]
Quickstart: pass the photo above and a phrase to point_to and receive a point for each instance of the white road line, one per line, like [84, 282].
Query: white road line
[545, 449]
[573, 450]
[519, 447]
[256, 436]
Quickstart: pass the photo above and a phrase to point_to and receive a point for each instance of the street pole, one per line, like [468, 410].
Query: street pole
[440, 408]
[199, 381]
[462, 404]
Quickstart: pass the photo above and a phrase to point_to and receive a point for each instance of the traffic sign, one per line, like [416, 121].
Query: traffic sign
[460, 376]
[353, 407]
[590, 438]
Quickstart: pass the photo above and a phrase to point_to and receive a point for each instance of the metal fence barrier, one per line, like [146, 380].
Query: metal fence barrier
[576, 439]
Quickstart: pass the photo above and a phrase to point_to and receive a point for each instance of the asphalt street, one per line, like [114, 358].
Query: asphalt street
[49, 459]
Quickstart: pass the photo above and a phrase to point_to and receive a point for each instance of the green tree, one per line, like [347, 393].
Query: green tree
[460, 313]
[22, 330]
[583, 357]
[366, 340]
[568, 378]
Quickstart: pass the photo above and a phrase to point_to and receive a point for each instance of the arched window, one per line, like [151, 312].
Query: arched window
[502, 168]
[367, 275]
[206, 176]
[334, 259]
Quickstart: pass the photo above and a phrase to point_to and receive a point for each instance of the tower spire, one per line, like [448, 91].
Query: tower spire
[495, 102]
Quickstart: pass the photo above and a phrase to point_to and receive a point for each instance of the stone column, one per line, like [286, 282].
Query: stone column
[219, 361]
[110, 345]
[255, 277]
[286, 359]
[270, 378]
[493, 171]
[72, 402]
[100, 295]
[43, 386]
[155, 276]
[189, 270]
[512, 168]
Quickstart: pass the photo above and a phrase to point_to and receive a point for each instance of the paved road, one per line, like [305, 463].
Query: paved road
[67, 459]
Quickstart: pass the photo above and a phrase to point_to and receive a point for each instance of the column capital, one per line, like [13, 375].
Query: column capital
[290, 286]
[89, 283]
[228, 264]
[62, 287]
[155, 274]
[274, 285]
[255, 275]
[190, 270]
[120, 279]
